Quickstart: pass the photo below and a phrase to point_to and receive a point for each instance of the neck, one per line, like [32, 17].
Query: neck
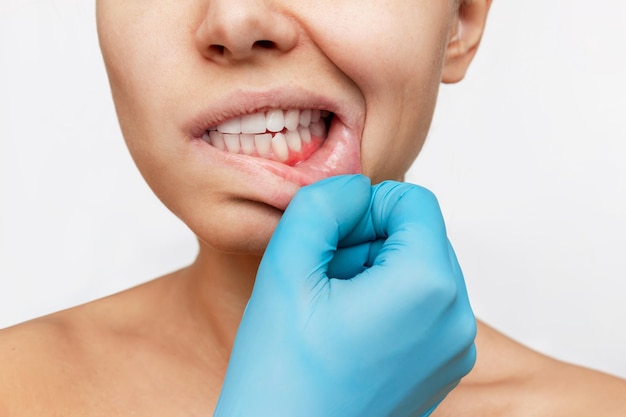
[218, 288]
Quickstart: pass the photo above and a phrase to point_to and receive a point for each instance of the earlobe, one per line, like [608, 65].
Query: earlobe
[465, 38]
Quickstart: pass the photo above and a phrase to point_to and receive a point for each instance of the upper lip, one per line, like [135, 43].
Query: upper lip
[242, 102]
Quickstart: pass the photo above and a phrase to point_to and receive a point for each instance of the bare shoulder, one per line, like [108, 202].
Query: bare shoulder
[569, 390]
[53, 361]
[123, 354]
[512, 380]
[33, 358]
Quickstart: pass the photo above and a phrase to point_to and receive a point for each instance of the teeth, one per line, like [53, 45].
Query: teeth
[247, 144]
[272, 135]
[263, 144]
[230, 126]
[232, 143]
[293, 140]
[253, 123]
[217, 139]
[275, 120]
[292, 119]
[305, 134]
[279, 147]
[318, 128]
[305, 118]
[315, 115]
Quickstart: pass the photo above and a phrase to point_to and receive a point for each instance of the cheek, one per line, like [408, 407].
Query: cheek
[142, 63]
[396, 64]
[384, 45]
[141, 86]
[400, 107]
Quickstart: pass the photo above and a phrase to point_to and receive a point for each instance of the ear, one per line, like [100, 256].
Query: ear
[464, 38]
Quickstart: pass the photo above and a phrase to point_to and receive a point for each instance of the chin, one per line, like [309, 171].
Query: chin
[241, 231]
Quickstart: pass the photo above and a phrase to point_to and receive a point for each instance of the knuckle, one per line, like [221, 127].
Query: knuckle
[464, 331]
[443, 290]
[469, 359]
[426, 195]
[422, 196]
[467, 328]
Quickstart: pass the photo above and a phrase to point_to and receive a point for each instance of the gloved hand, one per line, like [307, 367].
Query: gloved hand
[379, 327]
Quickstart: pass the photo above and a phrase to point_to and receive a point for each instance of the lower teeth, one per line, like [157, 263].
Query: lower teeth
[275, 146]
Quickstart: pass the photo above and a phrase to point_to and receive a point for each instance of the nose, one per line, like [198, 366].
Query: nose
[237, 30]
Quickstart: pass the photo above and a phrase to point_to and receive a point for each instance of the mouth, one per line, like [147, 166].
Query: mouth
[276, 141]
[287, 136]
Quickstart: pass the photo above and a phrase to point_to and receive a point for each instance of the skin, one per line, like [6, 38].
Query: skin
[162, 348]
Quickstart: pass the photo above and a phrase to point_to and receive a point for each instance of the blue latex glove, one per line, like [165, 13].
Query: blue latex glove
[381, 327]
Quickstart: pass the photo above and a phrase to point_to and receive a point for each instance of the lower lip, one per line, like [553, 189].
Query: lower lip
[275, 183]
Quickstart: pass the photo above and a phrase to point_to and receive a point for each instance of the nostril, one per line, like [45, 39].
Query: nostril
[264, 44]
[220, 50]
[217, 49]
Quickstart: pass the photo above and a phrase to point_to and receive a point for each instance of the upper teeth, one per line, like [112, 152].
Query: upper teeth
[273, 121]
[281, 135]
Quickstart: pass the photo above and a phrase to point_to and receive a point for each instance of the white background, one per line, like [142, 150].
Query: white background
[527, 156]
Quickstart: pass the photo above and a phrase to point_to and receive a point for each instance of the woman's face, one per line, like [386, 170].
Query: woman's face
[219, 100]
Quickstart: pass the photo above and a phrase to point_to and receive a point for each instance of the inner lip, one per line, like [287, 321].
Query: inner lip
[289, 136]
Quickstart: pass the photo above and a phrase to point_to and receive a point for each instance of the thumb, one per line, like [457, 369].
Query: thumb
[307, 236]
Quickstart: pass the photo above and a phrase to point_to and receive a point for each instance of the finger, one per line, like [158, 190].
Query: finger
[352, 260]
[308, 234]
[395, 206]
[416, 247]
[408, 217]
[458, 273]
[413, 265]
